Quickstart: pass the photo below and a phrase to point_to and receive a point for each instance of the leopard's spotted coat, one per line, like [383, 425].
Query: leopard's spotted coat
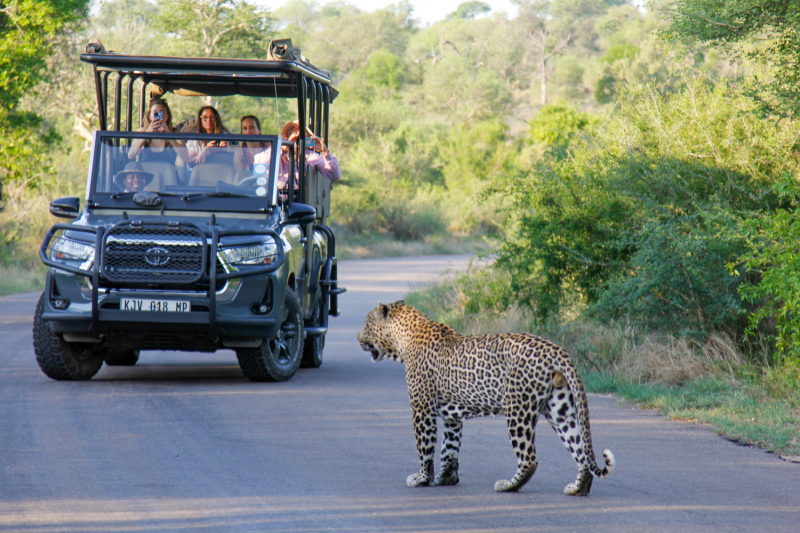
[458, 377]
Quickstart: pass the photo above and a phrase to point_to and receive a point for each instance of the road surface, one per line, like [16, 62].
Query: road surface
[183, 442]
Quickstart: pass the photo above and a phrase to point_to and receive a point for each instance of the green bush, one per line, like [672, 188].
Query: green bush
[774, 257]
[639, 218]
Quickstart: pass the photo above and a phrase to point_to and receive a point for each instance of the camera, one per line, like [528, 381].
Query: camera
[159, 115]
[310, 143]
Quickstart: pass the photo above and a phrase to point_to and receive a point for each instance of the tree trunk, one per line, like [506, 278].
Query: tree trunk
[543, 80]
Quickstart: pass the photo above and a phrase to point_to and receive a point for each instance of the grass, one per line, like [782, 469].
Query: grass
[21, 278]
[740, 409]
[708, 382]
[375, 245]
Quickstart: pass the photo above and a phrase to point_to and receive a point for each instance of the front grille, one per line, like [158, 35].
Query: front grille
[154, 254]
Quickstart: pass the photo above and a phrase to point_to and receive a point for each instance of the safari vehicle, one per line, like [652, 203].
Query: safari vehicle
[201, 261]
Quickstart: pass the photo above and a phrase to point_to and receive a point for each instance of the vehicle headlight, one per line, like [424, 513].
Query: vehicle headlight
[264, 253]
[65, 248]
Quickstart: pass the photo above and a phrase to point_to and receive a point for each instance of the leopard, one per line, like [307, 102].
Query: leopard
[457, 377]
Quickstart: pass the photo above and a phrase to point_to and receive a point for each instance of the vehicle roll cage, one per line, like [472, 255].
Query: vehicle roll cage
[310, 85]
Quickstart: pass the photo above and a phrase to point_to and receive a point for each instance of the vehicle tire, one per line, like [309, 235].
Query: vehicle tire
[122, 357]
[277, 359]
[60, 360]
[313, 346]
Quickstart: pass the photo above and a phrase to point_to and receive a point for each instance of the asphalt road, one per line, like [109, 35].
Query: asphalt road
[183, 442]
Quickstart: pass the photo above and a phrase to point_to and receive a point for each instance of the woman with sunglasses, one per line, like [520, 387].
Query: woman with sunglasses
[208, 122]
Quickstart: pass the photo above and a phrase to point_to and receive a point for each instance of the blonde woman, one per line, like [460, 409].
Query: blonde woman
[158, 119]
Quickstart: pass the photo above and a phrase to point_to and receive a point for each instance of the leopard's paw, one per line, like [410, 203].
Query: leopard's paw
[504, 485]
[448, 477]
[418, 480]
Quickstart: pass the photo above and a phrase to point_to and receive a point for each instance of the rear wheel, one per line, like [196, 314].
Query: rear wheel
[277, 359]
[122, 357]
[62, 360]
[313, 346]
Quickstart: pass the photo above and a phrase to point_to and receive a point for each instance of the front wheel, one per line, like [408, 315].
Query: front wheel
[61, 360]
[277, 359]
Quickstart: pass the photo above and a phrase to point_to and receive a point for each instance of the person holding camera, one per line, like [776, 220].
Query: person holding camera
[158, 119]
[317, 156]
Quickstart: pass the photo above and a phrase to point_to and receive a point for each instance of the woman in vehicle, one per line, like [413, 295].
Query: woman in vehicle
[243, 159]
[158, 119]
[208, 122]
[317, 156]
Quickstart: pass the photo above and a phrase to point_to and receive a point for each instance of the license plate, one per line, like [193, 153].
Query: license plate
[165, 306]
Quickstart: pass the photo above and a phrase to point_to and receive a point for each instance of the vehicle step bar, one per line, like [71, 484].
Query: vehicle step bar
[316, 332]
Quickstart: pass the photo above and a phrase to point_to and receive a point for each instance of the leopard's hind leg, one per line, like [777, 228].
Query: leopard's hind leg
[521, 408]
[563, 416]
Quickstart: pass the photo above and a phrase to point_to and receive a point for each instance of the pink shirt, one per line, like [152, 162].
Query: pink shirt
[327, 165]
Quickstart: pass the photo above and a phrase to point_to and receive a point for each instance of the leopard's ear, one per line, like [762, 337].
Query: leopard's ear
[384, 310]
[401, 302]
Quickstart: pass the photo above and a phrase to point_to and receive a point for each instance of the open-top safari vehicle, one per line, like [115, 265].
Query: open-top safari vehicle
[201, 259]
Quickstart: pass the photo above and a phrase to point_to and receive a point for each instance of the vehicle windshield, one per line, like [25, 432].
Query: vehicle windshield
[184, 165]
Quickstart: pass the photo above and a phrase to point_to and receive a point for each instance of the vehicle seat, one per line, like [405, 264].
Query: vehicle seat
[165, 175]
[207, 175]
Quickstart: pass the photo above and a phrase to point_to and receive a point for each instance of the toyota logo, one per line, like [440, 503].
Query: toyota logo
[157, 256]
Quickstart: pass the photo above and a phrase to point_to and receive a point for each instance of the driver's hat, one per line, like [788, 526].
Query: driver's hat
[132, 168]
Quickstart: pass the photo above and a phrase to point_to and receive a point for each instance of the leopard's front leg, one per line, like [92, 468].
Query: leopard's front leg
[425, 433]
[450, 447]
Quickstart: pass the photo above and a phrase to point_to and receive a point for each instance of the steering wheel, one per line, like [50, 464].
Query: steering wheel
[250, 181]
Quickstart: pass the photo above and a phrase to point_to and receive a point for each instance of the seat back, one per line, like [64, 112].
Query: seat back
[165, 175]
[207, 175]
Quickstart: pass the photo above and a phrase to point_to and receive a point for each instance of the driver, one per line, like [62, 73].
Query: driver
[317, 156]
[133, 179]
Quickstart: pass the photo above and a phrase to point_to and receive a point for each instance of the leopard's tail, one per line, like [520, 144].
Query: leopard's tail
[565, 365]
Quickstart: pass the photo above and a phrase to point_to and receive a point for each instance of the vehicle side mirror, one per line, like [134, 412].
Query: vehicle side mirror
[69, 207]
[301, 213]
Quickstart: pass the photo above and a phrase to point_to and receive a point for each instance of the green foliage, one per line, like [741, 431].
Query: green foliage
[215, 28]
[677, 280]
[620, 51]
[469, 10]
[557, 124]
[639, 219]
[765, 30]
[26, 30]
[384, 69]
[774, 256]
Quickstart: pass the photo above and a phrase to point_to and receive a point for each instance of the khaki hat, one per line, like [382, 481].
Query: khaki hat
[132, 168]
[289, 126]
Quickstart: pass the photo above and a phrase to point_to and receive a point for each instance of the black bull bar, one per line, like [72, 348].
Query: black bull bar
[212, 276]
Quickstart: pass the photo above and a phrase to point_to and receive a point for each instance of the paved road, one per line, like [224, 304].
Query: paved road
[183, 442]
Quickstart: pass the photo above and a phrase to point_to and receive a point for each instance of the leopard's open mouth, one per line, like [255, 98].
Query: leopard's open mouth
[371, 349]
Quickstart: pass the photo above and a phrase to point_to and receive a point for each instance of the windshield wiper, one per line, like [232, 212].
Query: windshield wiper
[218, 194]
[117, 195]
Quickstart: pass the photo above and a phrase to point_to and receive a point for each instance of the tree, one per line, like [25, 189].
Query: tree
[215, 28]
[727, 23]
[27, 30]
[469, 10]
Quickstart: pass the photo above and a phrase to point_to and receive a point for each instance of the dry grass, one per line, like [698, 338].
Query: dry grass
[25, 220]
[383, 245]
[620, 348]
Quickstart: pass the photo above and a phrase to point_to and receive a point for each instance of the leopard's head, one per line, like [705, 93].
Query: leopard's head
[376, 336]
